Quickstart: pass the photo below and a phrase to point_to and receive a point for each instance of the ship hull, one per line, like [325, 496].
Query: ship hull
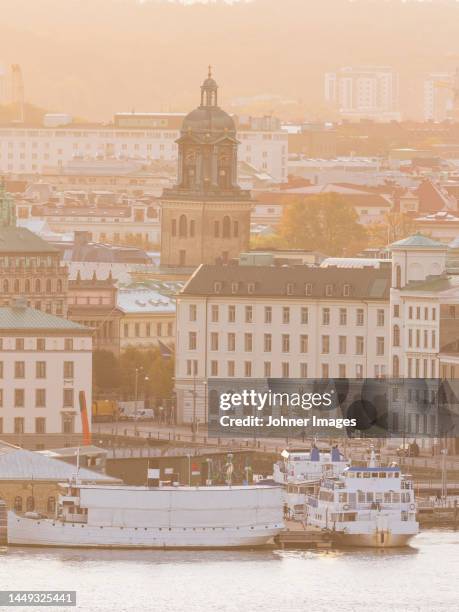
[378, 539]
[24, 531]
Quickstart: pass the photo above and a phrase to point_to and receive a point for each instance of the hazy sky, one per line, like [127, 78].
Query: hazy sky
[95, 57]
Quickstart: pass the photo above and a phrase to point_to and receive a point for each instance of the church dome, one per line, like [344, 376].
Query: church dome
[208, 117]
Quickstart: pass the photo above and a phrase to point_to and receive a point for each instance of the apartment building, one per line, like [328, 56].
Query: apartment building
[363, 92]
[291, 322]
[136, 136]
[30, 267]
[45, 363]
[399, 318]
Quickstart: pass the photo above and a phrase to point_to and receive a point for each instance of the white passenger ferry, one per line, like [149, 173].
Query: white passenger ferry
[300, 465]
[366, 506]
[164, 517]
[300, 470]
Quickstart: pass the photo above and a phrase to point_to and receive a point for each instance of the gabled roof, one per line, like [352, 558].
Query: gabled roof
[20, 464]
[24, 318]
[418, 241]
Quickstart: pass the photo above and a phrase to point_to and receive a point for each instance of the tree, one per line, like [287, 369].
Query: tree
[151, 365]
[105, 372]
[395, 226]
[325, 223]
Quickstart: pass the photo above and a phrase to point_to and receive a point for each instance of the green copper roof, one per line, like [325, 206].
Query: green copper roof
[22, 241]
[24, 318]
[418, 241]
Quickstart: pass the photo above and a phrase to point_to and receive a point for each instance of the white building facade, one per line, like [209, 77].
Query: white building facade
[262, 321]
[45, 364]
[363, 92]
[138, 136]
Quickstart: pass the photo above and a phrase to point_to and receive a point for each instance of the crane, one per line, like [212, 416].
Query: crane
[452, 85]
[17, 87]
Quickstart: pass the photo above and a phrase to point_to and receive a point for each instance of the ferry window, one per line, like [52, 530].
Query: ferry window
[51, 506]
[396, 498]
[387, 497]
[374, 474]
[30, 504]
[389, 475]
[361, 497]
[378, 497]
[396, 474]
[369, 497]
[382, 475]
[359, 475]
[366, 474]
[343, 497]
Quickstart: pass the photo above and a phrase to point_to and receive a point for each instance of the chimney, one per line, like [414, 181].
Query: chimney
[81, 238]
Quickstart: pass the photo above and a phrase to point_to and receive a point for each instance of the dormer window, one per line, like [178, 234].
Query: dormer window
[308, 289]
[234, 287]
[218, 285]
[328, 290]
[290, 288]
[347, 290]
[251, 288]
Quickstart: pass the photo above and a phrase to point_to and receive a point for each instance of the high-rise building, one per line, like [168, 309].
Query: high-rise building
[438, 96]
[368, 92]
[206, 215]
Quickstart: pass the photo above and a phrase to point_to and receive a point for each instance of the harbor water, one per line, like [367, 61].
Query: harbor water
[422, 577]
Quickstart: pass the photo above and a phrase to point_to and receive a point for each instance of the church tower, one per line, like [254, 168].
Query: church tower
[205, 217]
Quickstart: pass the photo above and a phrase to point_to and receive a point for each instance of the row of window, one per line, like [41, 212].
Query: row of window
[68, 425]
[35, 286]
[286, 343]
[28, 504]
[40, 344]
[19, 398]
[40, 369]
[286, 317]
[287, 370]
[38, 305]
[290, 288]
[416, 313]
[185, 229]
[145, 330]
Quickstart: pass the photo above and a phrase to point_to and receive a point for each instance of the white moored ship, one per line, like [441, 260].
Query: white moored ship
[162, 517]
[366, 506]
[299, 465]
[300, 470]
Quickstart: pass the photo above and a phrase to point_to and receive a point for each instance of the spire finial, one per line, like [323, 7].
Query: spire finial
[209, 74]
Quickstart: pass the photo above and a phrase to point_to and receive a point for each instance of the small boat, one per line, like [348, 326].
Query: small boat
[366, 506]
[122, 516]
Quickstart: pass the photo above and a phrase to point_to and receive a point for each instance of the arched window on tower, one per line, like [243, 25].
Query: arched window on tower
[396, 336]
[6, 287]
[398, 277]
[27, 286]
[48, 285]
[37, 285]
[174, 227]
[192, 228]
[182, 226]
[216, 229]
[16, 285]
[59, 285]
[226, 227]
[236, 229]
[395, 366]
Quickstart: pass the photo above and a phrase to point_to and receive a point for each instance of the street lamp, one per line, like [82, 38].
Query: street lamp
[136, 394]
